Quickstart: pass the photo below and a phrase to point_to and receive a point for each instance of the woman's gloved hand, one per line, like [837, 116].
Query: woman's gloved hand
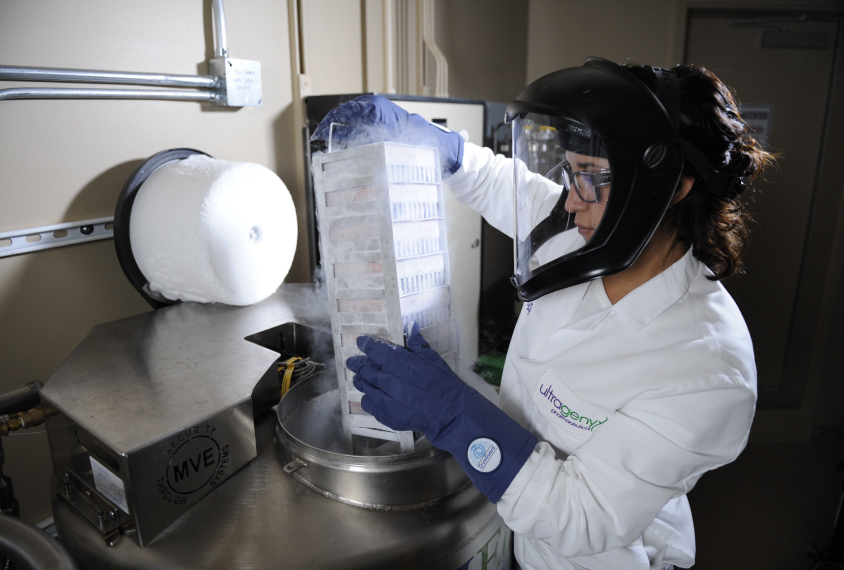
[414, 389]
[372, 118]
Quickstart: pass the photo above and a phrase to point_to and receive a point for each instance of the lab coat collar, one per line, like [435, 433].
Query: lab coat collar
[589, 321]
[642, 305]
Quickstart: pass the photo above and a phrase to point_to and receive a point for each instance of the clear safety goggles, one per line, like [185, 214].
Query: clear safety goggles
[590, 186]
[562, 184]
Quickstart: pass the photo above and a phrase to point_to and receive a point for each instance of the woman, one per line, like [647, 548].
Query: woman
[631, 370]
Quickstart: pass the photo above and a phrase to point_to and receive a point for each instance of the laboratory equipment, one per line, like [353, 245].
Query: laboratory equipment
[385, 255]
[133, 380]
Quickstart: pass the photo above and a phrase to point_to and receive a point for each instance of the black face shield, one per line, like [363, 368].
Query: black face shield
[597, 160]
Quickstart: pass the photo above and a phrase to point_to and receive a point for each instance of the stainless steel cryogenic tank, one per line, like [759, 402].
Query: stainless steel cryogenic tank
[299, 503]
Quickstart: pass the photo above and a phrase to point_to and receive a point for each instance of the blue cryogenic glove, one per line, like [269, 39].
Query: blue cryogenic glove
[372, 118]
[414, 389]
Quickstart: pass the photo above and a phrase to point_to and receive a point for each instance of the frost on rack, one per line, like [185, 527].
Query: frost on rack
[384, 249]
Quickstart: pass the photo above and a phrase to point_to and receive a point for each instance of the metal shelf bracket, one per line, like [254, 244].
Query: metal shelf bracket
[24, 241]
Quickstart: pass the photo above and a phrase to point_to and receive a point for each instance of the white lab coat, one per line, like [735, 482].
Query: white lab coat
[631, 404]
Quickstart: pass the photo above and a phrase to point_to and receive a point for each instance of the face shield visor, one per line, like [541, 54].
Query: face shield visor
[563, 184]
[586, 204]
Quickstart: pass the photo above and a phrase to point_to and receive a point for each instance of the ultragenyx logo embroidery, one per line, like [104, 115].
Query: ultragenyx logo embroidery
[562, 411]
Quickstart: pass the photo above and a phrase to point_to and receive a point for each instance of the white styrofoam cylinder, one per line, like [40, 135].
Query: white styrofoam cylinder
[213, 231]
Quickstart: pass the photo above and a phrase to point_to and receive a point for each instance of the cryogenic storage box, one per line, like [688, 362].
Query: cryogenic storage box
[385, 254]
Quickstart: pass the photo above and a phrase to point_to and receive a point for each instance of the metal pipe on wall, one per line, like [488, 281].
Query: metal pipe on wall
[136, 94]
[219, 92]
[16, 73]
[221, 49]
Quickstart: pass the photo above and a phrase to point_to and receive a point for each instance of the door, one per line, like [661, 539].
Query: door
[782, 64]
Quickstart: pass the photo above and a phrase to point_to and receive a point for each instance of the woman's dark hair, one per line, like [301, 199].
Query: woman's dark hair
[710, 120]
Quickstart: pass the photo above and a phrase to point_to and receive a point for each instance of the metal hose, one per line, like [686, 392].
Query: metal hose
[21, 398]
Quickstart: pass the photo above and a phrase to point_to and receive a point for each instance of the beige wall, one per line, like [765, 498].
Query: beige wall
[67, 161]
[331, 35]
[563, 33]
[485, 43]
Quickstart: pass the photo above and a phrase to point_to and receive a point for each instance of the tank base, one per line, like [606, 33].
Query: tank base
[261, 517]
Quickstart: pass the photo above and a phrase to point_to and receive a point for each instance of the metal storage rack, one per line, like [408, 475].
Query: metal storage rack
[384, 248]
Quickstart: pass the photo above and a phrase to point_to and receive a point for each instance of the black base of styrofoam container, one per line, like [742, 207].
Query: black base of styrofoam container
[123, 215]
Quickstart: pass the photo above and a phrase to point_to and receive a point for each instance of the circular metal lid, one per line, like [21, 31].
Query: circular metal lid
[308, 435]
[29, 548]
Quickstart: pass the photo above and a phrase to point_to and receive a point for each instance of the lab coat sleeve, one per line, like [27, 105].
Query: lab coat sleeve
[484, 182]
[655, 448]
